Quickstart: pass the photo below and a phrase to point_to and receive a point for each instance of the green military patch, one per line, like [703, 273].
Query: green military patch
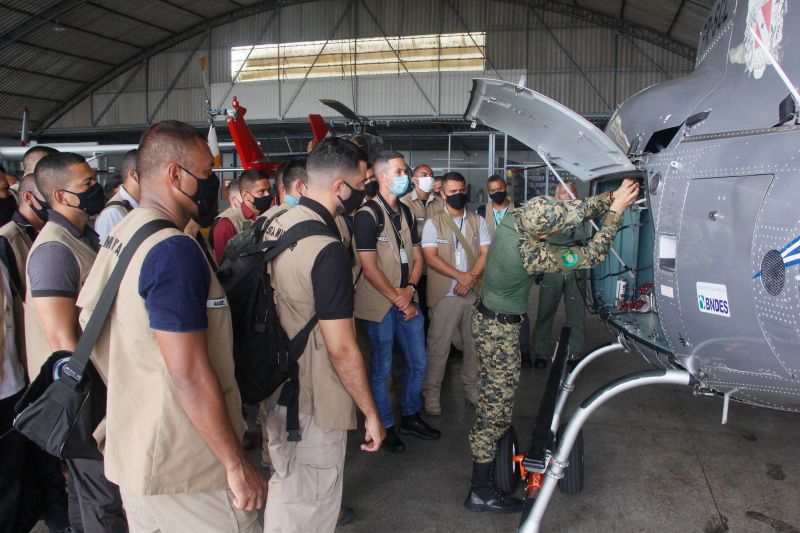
[570, 258]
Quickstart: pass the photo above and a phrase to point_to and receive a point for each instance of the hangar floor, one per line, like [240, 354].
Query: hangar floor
[656, 460]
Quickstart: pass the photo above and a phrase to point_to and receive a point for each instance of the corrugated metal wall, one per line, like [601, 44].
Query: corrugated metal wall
[587, 68]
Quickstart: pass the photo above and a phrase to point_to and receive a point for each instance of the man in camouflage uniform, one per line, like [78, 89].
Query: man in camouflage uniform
[519, 252]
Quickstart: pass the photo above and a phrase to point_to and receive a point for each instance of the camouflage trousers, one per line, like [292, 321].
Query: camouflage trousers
[497, 345]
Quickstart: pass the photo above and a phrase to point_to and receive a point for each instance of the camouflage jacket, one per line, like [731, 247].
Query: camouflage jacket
[518, 252]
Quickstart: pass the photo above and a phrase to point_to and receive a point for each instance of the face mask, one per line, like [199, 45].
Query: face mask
[352, 202]
[206, 195]
[371, 188]
[399, 185]
[426, 184]
[206, 220]
[457, 201]
[263, 203]
[91, 201]
[291, 200]
[41, 212]
[498, 197]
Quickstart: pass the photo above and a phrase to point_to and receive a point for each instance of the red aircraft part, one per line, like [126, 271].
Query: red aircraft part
[248, 149]
[318, 126]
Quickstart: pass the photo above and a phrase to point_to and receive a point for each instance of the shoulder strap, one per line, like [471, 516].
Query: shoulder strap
[7, 257]
[377, 212]
[125, 204]
[407, 212]
[299, 231]
[471, 259]
[80, 357]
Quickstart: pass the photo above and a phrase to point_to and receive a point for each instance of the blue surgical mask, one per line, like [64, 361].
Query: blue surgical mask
[291, 200]
[399, 185]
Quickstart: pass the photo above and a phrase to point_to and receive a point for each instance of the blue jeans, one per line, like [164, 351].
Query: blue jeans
[410, 335]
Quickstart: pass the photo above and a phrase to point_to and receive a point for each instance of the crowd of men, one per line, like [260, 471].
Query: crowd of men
[401, 253]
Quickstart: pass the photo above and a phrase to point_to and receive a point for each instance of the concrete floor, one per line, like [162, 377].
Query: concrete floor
[656, 459]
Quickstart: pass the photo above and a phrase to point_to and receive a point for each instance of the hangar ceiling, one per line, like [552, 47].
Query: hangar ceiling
[56, 52]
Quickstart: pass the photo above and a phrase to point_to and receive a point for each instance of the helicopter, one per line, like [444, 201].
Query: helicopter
[702, 281]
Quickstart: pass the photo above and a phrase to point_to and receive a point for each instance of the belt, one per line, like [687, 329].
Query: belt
[499, 317]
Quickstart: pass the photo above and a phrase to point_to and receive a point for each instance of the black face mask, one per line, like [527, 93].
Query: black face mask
[206, 196]
[7, 208]
[457, 200]
[498, 197]
[41, 212]
[371, 188]
[206, 220]
[263, 203]
[353, 201]
[91, 201]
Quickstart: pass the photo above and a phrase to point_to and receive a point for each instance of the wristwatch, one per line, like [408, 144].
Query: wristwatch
[413, 285]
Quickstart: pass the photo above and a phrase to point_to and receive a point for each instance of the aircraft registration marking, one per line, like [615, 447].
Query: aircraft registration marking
[667, 291]
[712, 298]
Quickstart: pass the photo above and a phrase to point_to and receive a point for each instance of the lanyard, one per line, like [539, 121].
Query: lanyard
[391, 223]
[461, 229]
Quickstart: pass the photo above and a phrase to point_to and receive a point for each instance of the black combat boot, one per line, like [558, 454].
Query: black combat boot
[483, 496]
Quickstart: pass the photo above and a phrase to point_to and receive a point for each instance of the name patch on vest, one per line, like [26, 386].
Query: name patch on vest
[383, 238]
[217, 303]
[442, 241]
[114, 245]
[274, 231]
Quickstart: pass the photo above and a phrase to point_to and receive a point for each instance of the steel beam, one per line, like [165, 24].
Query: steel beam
[607, 21]
[33, 97]
[466, 27]
[42, 74]
[572, 60]
[273, 16]
[313, 63]
[646, 55]
[176, 78]
[414, 78]
[117, 94]
[131, 17]
[36, 21]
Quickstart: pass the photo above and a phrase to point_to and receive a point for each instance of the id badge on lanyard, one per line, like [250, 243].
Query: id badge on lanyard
[403, 256]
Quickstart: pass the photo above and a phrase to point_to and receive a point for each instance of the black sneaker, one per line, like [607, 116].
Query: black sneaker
[392, 442]
[414, 425]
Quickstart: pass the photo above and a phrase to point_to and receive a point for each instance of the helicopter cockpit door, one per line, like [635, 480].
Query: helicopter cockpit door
[567, 139]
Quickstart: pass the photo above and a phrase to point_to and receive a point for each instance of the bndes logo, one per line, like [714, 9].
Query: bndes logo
[712, 298]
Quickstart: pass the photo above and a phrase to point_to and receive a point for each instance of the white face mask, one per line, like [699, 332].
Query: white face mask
[426, 183]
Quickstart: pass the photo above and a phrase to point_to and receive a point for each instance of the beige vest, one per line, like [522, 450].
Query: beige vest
[21, 245]
[422, 211]
[235, 215]
[370, 304]
[439, 285]
[36, 345]
[322, 395]
[489, 217]
[151, 446]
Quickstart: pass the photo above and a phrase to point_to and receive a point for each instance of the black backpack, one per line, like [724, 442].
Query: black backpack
[264, 356]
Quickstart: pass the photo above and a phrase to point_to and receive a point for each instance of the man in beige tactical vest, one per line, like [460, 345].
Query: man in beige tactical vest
[388, 249]
[255, 199]
[24, 464]
[455, 243]
[126, 199]
[498, 206]
[174, 420]
[422, 203]
[311, 279]
[51, 317]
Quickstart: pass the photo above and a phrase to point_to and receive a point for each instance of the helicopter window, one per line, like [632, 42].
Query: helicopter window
[660, 140]
[667, 244]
